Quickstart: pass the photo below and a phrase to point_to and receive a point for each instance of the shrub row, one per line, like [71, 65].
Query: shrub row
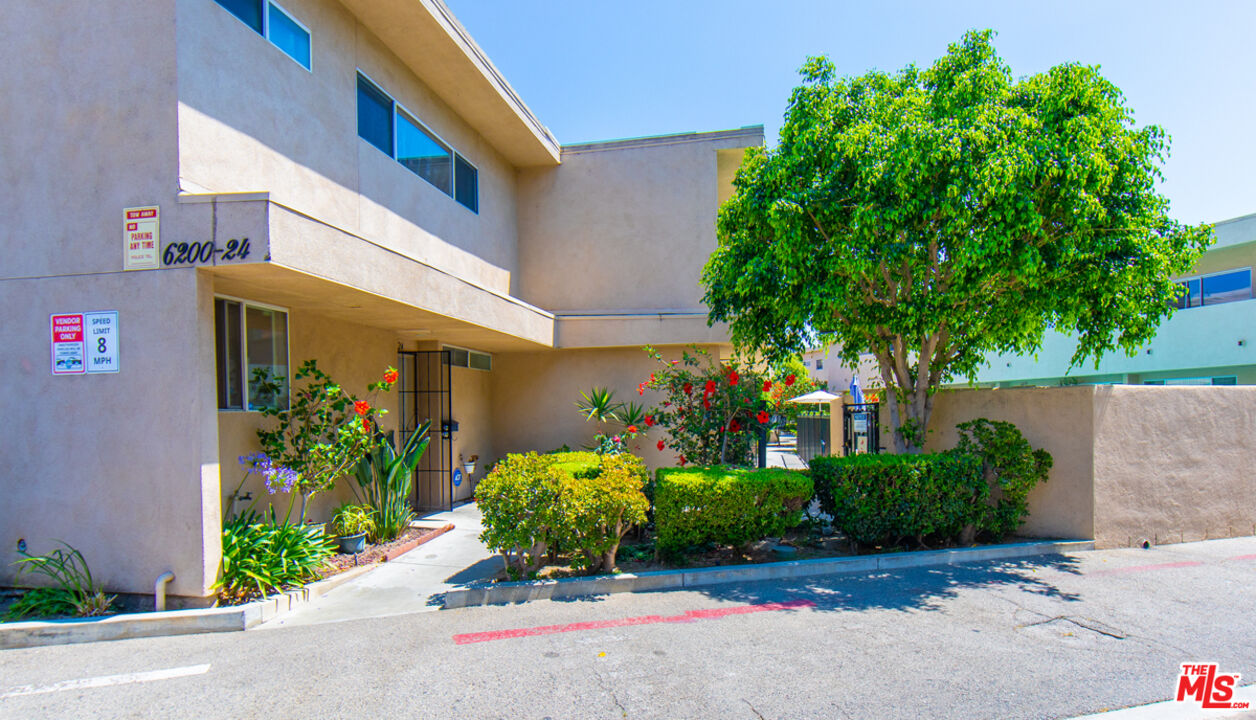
[731, 506]
[980, 487]
[583, 502]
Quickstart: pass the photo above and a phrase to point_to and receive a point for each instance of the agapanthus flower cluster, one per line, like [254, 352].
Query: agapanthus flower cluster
[277, 477]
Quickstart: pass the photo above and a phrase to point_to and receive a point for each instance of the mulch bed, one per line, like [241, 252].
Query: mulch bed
[383, 552]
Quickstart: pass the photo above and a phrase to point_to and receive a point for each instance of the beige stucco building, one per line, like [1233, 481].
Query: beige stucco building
[345, 180]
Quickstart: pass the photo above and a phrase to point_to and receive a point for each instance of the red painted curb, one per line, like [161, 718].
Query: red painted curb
[403, 549]
[1145, 568]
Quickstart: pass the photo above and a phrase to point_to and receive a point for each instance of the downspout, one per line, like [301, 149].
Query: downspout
[159, 590]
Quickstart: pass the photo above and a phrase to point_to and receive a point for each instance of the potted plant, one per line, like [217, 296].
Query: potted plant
[352, 523]
[468, 465]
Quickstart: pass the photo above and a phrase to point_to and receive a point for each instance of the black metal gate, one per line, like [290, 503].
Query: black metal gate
[861, 428]
[813, 436]
[426, 395]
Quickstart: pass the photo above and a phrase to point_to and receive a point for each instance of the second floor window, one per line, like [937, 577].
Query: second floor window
[275, 24]
[1230, 286]
[398, 134]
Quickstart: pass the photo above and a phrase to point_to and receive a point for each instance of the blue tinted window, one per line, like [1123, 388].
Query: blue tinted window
[288, 36]
[1188, 294]
[375, 116]
[1228, 287]
[423, 154]
[249, 11]
[467, 184]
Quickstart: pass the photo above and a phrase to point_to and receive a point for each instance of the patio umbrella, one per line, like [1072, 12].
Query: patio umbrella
[819, 397]
[856, 392]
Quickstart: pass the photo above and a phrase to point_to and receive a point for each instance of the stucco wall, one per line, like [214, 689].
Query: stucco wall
[1174, 464]
[1132, 463]
[252, 119]
[121, 466]
[535, 394]
[621, 225]
[472, 408]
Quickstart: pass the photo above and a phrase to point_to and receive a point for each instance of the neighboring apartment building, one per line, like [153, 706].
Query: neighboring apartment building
[235, 186]
[1208, 341]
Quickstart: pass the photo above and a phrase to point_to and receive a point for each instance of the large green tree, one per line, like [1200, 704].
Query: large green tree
[933, 216]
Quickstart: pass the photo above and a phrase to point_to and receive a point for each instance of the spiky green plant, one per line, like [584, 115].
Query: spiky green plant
[74, 592]
[385, 478]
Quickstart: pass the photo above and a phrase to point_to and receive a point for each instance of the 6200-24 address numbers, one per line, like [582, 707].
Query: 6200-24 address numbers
[203, 252]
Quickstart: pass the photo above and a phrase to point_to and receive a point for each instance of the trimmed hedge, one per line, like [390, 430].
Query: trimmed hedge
[730, 506]
[581, 502]
[883, 499]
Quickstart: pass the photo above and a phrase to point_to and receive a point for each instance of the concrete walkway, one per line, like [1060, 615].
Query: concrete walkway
[408, 583]
[784, 454]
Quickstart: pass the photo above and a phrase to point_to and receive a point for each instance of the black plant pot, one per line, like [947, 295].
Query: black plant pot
[353, 544]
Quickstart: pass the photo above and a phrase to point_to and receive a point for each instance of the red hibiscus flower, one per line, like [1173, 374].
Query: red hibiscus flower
[660, 445]
[734, 426]
[683, 460]
[733, 377]
[706, 403]
[390, 377]
[632, 429]
[710, 387]
[789, 379]
[764, 417]
[767, 385]
[649, 421]
[361, 407]
[688, 388]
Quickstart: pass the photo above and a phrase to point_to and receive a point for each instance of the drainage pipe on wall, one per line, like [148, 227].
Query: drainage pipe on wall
[159, 590]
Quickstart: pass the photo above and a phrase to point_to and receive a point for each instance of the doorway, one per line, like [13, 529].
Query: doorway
[427, 394]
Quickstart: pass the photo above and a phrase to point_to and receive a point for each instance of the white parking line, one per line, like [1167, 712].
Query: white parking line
[107, 680]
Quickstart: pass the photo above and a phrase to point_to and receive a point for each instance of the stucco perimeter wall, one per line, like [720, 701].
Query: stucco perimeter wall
[534, 397]
[353, 355]
[1173, 464]
[1055, 419]
[121, 466]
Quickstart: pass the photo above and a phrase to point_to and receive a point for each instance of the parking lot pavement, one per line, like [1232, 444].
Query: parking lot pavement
[1046, 637]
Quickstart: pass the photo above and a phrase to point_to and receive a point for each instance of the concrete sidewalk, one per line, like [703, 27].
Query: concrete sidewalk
[408, 583]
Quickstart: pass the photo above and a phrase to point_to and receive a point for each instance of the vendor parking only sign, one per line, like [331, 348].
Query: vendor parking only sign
[85, 343]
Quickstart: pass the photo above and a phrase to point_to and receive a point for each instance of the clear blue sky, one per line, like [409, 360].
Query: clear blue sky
[598, 70]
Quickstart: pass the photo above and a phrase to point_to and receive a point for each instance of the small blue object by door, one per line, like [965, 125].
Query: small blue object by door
[457, 477]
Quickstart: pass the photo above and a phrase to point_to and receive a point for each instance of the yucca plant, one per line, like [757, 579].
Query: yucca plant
[599, 405]
[385, 478]
[74, 592]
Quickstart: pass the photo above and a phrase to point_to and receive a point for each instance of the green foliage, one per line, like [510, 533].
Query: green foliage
[323, 433]
[597, 510]
[732, 506]
[261, 557]
[73, 592]
[790, 379]
[1011, 468]
[385, 478]
[353, 519]
[599, 405]
[883, 499]
[933, 216]
[712, 412]
[583, 501]
[521, 513]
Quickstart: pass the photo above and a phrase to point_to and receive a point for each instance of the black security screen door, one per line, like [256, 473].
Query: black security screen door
[425, 395]
[861, 428]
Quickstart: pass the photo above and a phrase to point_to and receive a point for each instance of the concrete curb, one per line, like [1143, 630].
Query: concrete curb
[518, 592]
[179, 622]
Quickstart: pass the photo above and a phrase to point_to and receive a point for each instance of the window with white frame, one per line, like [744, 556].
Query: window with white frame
[251, 343]
[384, 123]
[275, 24]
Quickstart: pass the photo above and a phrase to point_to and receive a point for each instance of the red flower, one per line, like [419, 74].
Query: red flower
[390, 377]
[733, 377]
[660, 445]
[641, 389]
[361, 407]
[764, 417]
[789, 379]
[666, 404]
[688, 388]
[675, 362]
[710, 387]
[706, 403]
[366, 425]
[649, 421]
[734, 426]
[617, 439]
[683, 461]
[632, 429]
[767, 385]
